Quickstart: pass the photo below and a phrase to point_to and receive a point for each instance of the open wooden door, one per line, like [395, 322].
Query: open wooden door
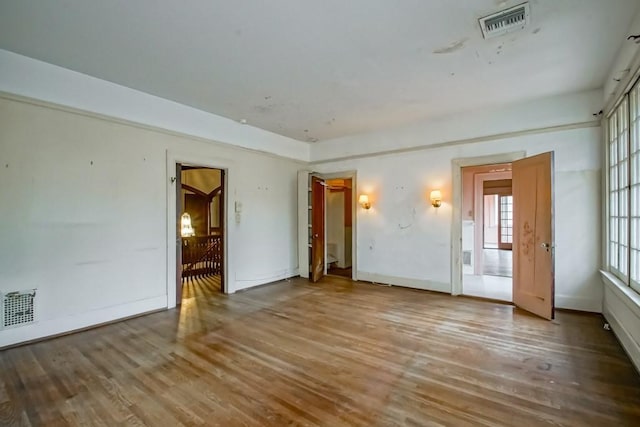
[179, 209]
[533, 257]
[222, 222]
[317, 228]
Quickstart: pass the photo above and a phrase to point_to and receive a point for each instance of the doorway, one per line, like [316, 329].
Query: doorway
[326, 225]
[487, 224]
[200, 219]
[338, 213]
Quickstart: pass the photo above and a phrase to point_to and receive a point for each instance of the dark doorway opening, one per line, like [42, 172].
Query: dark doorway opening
[339, 220]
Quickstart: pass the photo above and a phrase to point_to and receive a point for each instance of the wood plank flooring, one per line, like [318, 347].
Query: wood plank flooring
[333, 353]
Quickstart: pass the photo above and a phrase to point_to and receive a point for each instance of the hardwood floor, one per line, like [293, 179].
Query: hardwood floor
[337, 271]
[333, 353]
[200, 286]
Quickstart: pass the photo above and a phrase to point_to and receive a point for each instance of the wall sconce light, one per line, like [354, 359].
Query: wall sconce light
[364, 201]
[186, 229]
[436, 198]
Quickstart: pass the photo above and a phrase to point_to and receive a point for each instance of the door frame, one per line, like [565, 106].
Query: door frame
[175, 157]
[456, 225]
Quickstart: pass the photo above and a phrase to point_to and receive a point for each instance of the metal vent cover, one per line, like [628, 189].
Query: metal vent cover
[18, 308]
[507, 20]
[466, 257]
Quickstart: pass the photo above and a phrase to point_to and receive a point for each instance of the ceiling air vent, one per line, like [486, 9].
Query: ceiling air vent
[505, 21]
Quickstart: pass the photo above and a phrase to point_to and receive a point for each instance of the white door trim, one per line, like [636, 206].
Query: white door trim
[194, 159]
[456, 222]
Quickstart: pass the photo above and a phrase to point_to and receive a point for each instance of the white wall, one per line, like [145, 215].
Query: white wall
[84, 215]
[403, 240]
[28, 77]
[490, 223]
[483, 124]
[624, 69]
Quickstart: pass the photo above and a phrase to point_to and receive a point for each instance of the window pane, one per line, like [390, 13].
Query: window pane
[634, 118]
[635, 254]
[635, 269]
[635, 233]
[624, 259]
[623, 114]
[506, 223]
[635, 135]
[613, 255]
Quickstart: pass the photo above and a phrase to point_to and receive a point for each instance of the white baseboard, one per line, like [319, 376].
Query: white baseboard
[578, 303]
[622, 311]
[52, 327]
[241, 284]
[427, 285]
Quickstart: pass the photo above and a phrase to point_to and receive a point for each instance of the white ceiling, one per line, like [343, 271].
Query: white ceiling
[315, 70]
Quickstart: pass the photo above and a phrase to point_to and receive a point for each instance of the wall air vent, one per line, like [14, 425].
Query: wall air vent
[18, 308]
[466, 257]
[505, 21]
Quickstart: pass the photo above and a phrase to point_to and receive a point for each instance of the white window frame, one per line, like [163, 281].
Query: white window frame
[622, 247]
[634, 187]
